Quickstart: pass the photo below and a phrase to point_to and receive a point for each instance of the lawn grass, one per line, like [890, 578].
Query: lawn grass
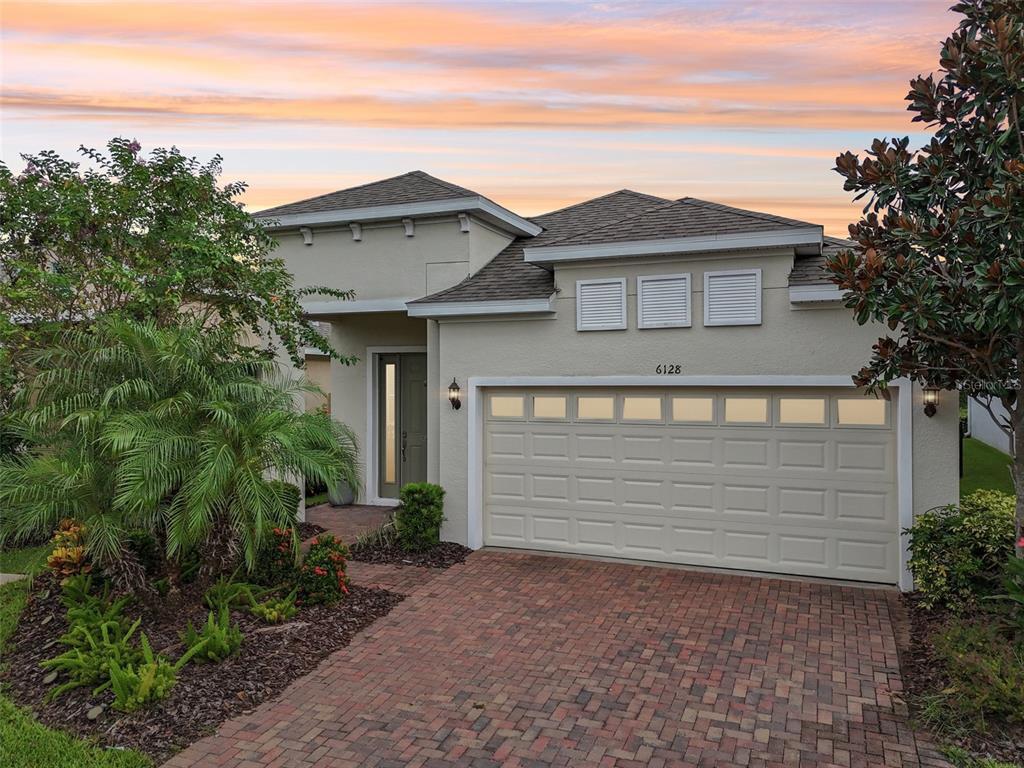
[316, 498]
[985, 468]
[24, 742]
[28, 560]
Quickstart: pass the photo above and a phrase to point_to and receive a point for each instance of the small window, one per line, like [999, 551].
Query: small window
[732, 297]
[663, 301]
[695, 409]
[746, 410]
[595, 408]
[863, 412]
[641, 408]
[548, 407]
[801, 410]
[601, 305]
[507, 407]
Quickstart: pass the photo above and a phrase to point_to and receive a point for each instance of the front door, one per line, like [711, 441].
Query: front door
[401, 421]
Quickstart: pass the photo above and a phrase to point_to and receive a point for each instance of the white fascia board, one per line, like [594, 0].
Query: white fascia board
[799, 294]
[356, 306]
[501, 217]
[747, 240]
[469, 308]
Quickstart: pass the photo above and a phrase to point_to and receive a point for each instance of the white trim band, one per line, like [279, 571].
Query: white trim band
[470, 308]
[798, 294]
[318, 308]
[484, 208]
[792, 237]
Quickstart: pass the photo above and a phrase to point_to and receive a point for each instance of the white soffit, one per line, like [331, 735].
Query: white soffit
[480, 206]
[791, 237]
[470, 308]
[356, 306]
[805, 294]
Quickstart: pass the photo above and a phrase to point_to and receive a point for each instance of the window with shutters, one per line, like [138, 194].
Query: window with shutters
[732, 297]
[601, 304]
[663, 301]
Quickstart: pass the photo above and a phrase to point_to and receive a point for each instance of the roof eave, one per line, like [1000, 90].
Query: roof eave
[815, 293]
[480, 206]
[795, 237]
[476, 308]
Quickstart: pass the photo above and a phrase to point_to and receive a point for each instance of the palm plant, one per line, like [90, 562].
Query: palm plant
[177, 430]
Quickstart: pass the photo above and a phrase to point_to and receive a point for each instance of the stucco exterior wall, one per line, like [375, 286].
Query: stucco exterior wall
[824, 341]
[318, 371]
[386, 263]
[352, 335]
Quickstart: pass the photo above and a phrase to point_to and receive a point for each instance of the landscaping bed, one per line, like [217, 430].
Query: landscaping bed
[271, 657]
[308, 530]
[932, 693]
[442, 555]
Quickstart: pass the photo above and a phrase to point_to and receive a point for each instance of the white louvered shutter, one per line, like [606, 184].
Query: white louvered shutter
[733, 297]
[663, 301]
[601, 305]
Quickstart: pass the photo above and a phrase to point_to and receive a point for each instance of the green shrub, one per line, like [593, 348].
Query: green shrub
[233, 594]
[276, 609]
[99, 635]
[985, 665]
[275, 559]
[148, 681]
[322, 576]
[418, 519]
[958, 553]
[219, 637]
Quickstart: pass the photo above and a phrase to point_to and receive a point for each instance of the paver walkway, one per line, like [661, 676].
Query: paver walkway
[524, 660]
[347, 523]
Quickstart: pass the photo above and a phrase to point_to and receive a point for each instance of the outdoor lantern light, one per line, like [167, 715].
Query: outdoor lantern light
[453, 395]
[931, 400]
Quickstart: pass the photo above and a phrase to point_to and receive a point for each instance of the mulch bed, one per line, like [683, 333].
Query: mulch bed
[923, 674]
[271, 657]
[309, 530]
[443, 555]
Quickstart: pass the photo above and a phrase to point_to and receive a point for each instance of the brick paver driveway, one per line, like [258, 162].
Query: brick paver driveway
[526, 660]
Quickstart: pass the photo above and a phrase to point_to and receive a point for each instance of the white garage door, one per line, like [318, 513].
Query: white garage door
[794, 481]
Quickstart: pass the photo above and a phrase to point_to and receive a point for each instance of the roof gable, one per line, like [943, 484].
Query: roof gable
[686, 217]
[412, 187]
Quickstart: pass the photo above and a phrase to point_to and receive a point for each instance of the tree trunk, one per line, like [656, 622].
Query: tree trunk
[1017, 418]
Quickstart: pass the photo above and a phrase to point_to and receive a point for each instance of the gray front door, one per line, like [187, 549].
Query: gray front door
[401, 421]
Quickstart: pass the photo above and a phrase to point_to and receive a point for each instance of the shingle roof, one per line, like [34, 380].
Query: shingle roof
[810, 270]
[507, 276]
[412, 187]
[686, 217]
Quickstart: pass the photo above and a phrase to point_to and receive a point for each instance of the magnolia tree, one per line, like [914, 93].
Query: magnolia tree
[940, 249]
[149, 237]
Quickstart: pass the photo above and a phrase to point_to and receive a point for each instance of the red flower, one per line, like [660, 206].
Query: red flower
[314, 542]
[1020, 544]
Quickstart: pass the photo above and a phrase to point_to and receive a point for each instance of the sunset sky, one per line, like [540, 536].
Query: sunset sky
[535, 104]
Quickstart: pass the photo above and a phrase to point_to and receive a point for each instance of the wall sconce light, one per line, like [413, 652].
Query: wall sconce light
[453, 395]
[931, 401]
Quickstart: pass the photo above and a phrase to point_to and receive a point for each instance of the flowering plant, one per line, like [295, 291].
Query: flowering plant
[275, 561]
[322, 576]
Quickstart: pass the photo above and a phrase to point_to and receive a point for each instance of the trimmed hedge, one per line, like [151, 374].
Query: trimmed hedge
[418, 519]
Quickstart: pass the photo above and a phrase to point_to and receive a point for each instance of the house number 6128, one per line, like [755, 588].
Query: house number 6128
[668, 369]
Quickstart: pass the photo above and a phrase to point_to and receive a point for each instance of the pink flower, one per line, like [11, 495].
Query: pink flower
[1020, 544]
[134, 147]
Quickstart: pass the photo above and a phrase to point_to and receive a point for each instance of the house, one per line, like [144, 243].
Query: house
[982, 426]
[631, 376]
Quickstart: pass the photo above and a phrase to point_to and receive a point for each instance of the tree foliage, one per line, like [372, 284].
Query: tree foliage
[151, 237]
[939, 255]
[131, 426]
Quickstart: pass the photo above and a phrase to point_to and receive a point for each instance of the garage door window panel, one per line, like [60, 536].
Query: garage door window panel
[595, 408]
[746, 410]
[641, 408]
[863, 412]
[549, 407]
[693, 410]
[507, 406]
[803, 411]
